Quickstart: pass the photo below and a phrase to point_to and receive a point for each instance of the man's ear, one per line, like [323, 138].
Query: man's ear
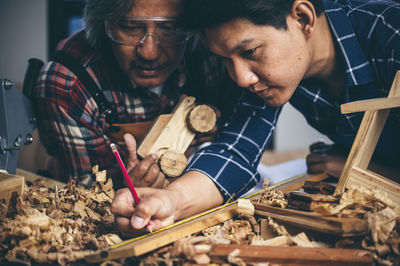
[303, 12]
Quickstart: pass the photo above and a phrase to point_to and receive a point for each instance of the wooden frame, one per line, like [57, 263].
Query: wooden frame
[355, 172]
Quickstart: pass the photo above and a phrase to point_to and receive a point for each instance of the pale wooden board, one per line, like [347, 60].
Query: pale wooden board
[141, 245]
[174, 135]
[48, 182]
[365, 178]
[155, 131]
[369, 105]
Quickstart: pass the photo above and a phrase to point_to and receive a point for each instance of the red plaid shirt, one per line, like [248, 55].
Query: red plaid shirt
[70, 124]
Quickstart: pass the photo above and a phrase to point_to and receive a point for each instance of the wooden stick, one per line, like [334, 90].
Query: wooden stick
[290, 255]
[370, 105]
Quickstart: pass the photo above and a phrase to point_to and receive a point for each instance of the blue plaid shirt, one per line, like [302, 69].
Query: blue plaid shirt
[368, 35]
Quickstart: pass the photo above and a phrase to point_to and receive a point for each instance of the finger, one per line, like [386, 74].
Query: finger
[155, 203]
[123, 203]
[313, 158]
[155, 176]
[316, 168]
[156, 224]
[131, 151]
[123, 224]
[217, 112]
[204, 139]
[141, 175]
[166, 183]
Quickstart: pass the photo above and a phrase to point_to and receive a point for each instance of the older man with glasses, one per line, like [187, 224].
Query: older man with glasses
[131, 63]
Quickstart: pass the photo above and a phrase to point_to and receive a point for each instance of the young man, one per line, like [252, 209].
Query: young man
[127, 60]
[316, 55]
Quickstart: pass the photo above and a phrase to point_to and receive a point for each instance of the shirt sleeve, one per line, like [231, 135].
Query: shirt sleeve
[68, 121]
[231, 160]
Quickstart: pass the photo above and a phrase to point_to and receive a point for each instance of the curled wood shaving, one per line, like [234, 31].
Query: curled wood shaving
[272, 197]
[62, 225]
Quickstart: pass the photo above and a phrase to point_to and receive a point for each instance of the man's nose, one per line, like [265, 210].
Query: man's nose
[243, 75]
[149, 47]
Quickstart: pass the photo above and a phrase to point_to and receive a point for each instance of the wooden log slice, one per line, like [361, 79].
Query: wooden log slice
[172, 163]
[201, 119]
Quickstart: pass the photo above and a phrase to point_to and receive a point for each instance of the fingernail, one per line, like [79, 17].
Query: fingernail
[154, 156]
[138, 221]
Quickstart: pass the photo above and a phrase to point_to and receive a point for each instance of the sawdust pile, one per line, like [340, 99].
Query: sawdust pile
[382, 216]
[58, 225]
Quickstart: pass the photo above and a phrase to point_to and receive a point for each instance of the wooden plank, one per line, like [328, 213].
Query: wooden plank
[395, 89]
[366, 178]
[370, 105]
[146, 243]
[48, 182]
[10, 184]
[295, 255]
[305, 201]
[174, 136]
[343, 227]
[152, 135]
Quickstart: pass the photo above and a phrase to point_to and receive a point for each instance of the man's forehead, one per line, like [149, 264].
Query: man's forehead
[155, 8]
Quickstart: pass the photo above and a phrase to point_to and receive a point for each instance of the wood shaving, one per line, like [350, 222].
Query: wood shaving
[272, 197]
[58, 226]
[382, 215]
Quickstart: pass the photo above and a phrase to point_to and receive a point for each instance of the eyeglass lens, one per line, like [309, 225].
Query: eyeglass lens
[131, 32]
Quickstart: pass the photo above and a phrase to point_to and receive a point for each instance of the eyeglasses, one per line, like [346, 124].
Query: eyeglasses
[134, 31]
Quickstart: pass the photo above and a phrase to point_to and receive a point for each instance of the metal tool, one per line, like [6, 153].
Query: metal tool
[17, 119]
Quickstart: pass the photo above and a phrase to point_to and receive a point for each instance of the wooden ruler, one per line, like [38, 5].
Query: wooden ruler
[151, 241]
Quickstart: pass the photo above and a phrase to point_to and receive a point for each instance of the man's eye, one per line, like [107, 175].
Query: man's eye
[250, 51]
[127, 28]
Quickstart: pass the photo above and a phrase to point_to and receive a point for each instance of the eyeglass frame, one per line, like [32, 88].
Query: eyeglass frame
[146, 34]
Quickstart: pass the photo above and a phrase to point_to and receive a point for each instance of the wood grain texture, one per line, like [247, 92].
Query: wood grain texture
[370, 105]
[172, 134]
[290, 255]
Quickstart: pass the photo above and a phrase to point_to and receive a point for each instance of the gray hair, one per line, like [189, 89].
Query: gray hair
[96, 12]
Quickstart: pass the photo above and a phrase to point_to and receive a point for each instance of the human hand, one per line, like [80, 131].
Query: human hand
[145, 173]
[156, 209]
[324, 158]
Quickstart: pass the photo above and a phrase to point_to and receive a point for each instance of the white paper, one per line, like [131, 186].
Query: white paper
[279, 172]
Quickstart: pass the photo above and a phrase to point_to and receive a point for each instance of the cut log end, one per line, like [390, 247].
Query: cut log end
[202, 119]
[172, 163]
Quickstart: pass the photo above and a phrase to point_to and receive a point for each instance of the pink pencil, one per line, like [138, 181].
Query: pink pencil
[123, 169]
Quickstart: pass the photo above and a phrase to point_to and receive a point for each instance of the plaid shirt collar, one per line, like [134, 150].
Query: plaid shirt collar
[358, 69]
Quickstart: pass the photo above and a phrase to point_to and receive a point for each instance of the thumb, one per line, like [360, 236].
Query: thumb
[130, 143]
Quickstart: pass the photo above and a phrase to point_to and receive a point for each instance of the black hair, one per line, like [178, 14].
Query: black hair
[96, 12]
[200, 14]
